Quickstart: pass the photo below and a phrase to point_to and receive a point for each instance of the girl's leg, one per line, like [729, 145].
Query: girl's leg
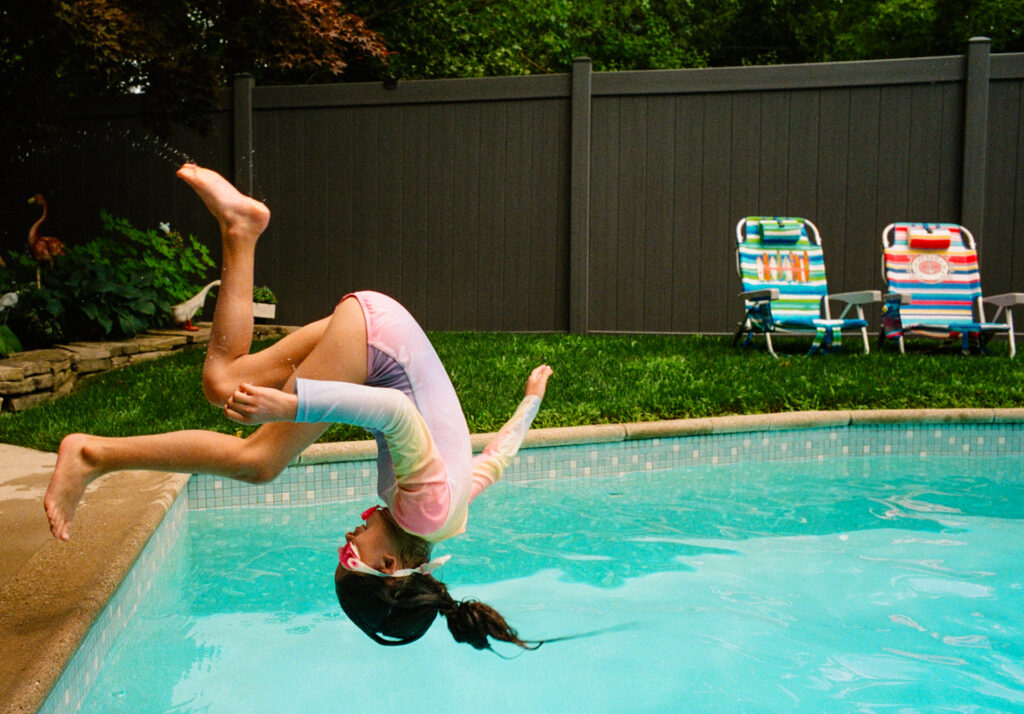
[339, 355]
[333, 348]
[83, 458]
[228, 362]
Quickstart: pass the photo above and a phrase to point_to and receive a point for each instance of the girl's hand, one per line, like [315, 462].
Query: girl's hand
[537, 382]
[258, 405]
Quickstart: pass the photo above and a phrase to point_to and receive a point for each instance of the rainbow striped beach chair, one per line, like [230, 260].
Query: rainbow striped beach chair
[782, 269]
[931, 270]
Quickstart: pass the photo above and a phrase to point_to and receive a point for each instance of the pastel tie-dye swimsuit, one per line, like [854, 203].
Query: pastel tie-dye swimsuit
[426, 473]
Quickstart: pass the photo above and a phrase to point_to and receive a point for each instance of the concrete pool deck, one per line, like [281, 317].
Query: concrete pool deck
[51, 592]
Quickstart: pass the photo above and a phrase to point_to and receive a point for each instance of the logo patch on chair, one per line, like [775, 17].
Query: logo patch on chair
[791, 266]
[930, 268]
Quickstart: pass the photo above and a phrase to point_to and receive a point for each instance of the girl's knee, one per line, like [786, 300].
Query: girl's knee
[262, 473]
[254, 467]
[257, 465]
[216, 387]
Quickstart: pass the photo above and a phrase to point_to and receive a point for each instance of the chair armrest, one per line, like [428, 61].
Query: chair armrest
[1005, 300]
[763, 294]
[860, 297]
[904, 298]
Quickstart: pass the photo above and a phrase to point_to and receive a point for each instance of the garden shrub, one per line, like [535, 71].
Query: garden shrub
[263, 294]
[118, 284]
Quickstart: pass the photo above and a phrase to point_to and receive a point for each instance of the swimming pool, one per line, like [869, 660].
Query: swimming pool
[873, 582]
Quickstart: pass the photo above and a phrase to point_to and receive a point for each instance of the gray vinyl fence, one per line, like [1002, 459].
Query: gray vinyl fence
[601, 202]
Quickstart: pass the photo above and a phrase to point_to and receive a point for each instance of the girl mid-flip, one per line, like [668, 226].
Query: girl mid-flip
[368, 364]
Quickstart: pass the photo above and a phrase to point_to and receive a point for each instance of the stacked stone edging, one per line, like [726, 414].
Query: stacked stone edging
[31, 378]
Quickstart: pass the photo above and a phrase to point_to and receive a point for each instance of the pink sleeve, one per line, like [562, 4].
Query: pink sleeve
[490, 465]
[420, 497]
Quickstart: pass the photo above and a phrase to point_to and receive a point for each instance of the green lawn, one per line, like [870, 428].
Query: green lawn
[598, 379]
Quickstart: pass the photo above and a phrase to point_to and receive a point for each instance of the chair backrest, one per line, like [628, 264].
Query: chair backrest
[936, 264]
[777, 252]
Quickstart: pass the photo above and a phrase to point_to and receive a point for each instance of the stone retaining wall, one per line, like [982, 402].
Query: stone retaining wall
[30, 378]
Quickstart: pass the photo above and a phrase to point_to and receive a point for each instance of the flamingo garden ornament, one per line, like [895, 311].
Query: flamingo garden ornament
[42, 248]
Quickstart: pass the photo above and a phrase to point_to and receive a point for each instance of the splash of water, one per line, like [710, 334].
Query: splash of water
[76, 139]
[151, 143]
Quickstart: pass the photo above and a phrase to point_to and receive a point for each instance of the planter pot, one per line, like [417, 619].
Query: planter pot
[264, 310]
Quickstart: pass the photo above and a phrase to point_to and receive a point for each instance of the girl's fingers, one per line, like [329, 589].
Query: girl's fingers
[241, 397]
[242, 406]
[234, 416]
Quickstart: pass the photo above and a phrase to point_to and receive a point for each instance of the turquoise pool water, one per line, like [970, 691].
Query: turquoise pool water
[869, 584]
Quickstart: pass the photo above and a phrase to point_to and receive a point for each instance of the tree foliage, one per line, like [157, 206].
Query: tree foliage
[474, 38]
[470, 38]
[175, 53]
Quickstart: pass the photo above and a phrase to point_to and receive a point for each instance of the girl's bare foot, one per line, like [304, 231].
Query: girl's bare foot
[70, 478]
[260, 405]
[240, 217]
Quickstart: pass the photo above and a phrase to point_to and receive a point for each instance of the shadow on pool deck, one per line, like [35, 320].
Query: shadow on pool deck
[51, 592]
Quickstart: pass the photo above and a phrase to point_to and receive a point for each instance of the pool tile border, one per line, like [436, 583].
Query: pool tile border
[82, 670]
[327, 473]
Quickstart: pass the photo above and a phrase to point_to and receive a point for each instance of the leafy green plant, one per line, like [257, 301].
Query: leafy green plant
[30, 317]
[263, 294]
[86, 299]
[9, 343]
[176, 262]
[8, 340]
[99, 294]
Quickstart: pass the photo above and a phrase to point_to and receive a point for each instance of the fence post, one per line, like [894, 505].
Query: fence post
[972, 191]
[579, 198]
[241, 91]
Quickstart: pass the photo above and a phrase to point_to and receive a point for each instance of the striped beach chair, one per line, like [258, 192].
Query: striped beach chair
[931, 270]
[782, 270]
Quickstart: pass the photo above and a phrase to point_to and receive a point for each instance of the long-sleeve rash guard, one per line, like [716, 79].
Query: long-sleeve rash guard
[426, 496]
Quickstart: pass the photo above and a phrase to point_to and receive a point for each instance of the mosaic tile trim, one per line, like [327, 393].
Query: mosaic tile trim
[344, 481]
[80, 674]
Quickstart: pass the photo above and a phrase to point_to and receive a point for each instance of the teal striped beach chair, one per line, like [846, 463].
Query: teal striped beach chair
[782, 270]
[931, 270]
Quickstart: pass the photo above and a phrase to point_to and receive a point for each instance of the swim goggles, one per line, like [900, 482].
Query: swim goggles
[348, 557]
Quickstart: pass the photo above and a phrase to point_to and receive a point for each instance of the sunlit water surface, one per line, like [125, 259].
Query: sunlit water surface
[870, 585]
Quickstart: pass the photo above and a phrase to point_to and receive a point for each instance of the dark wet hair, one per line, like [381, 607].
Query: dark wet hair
[412, 550]
[397, 611]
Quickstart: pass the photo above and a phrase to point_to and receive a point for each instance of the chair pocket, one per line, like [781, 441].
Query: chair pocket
[780, 231]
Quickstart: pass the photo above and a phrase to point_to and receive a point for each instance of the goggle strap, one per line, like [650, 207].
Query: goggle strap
[423, 569]
[350, 559]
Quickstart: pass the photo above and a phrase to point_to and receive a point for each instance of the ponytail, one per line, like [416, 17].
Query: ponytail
[397, 611]
[473, 622]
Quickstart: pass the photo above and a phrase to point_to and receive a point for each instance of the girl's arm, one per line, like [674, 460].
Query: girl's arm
[489, 465]
[387, 411]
